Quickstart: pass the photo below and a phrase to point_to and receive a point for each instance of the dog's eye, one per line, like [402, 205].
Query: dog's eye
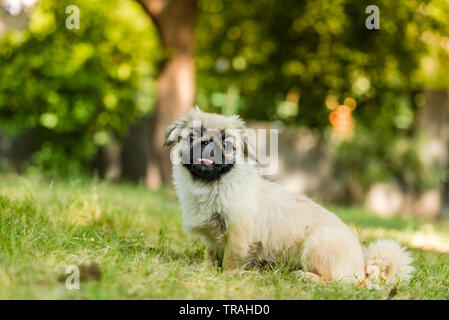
[191, 137]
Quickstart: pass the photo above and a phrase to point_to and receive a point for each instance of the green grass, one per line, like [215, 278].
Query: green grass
[137, 240]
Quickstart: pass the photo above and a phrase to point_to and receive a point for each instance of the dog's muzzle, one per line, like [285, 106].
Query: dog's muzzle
[206, 161]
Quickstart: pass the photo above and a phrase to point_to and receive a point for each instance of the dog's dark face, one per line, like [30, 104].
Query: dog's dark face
[207, 145]
[206, 155]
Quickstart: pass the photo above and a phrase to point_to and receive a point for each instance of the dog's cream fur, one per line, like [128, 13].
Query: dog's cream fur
[245, 218]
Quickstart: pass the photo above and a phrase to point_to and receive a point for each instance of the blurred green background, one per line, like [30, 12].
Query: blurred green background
[69, 97]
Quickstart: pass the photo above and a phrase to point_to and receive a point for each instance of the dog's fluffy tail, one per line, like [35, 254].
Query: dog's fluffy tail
[387, 261]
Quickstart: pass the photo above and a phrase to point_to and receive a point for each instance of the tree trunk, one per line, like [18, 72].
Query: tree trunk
[432, 127]
[175, 21]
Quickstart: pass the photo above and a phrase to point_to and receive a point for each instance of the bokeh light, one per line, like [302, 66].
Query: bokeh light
[341, 118]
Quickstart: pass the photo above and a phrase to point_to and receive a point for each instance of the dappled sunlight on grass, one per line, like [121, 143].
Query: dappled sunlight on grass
[426, 238]
[415, 233]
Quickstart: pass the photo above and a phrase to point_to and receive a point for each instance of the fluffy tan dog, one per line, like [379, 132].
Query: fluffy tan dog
[246, 219]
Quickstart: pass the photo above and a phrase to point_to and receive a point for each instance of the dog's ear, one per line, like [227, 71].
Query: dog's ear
[173, 133]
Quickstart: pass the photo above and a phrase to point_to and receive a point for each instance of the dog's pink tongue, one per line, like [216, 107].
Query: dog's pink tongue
[207, 161]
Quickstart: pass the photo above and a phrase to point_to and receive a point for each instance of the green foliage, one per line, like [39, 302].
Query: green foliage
[264, 59]
[317, 48]
[273, 60]
[369, 158]
[77, 89]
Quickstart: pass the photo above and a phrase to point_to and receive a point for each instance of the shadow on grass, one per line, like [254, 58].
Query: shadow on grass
[194, 254]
